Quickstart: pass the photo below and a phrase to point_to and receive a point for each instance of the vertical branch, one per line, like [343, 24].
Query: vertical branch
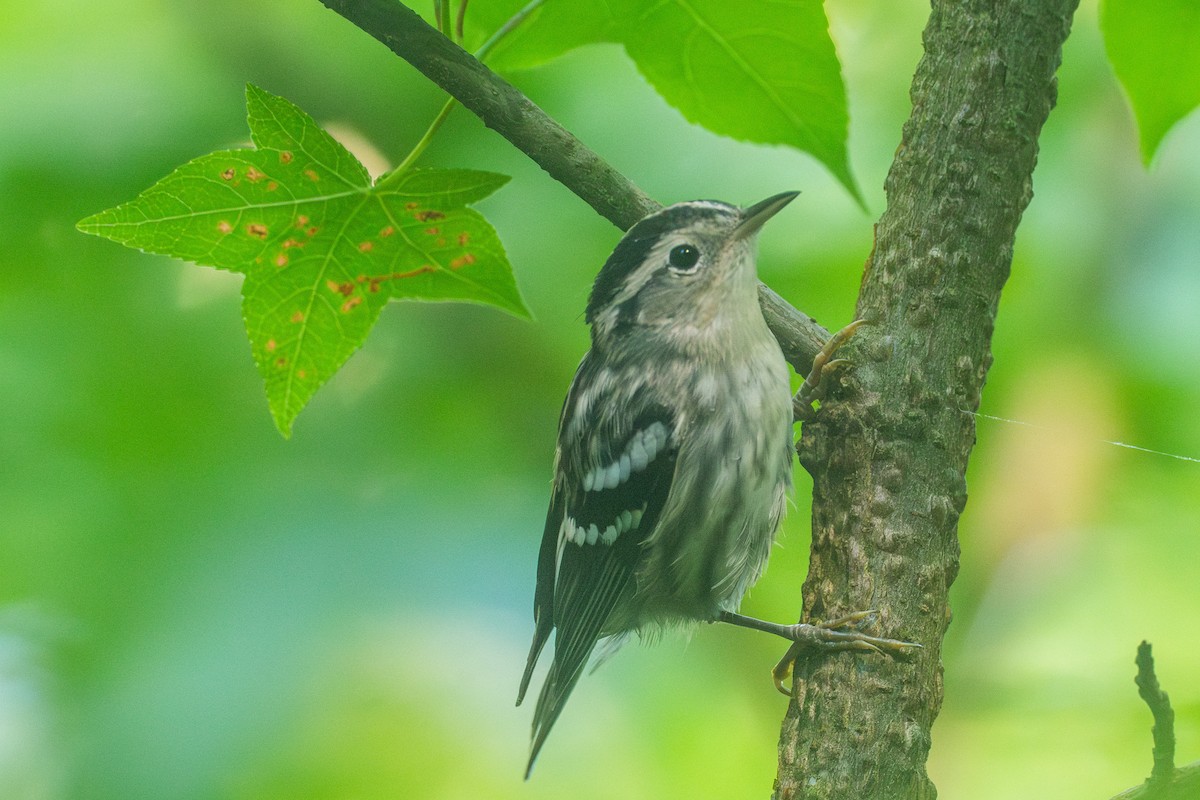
[1166, 782]
[888, 463]
[1163, 731]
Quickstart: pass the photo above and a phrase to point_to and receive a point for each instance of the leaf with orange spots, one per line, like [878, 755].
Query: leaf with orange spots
[322, 249]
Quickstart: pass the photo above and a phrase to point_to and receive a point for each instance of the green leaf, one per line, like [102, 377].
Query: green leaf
[322, 250]
[1154, 46]
[763, 72]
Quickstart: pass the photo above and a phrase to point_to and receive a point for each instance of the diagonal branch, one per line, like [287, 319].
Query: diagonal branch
[501, 106]
[514, 116]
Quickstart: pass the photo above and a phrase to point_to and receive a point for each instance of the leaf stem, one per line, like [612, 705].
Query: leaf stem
[439, 15]
[508, 27]
[419, 148]
[458, 24]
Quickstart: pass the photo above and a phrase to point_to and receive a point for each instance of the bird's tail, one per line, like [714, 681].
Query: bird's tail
[541, 634]
[560, 680]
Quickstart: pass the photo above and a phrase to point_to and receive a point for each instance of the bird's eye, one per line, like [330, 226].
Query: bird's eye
[683, 257]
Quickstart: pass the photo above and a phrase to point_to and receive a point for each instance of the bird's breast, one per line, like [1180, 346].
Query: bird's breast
[732, 477]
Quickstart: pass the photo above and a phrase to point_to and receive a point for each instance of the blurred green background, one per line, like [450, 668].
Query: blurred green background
[192, 607]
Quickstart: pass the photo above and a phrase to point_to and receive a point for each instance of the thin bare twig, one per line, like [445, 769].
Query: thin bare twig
[1165, 781]
[503, 108]
[1163, 731]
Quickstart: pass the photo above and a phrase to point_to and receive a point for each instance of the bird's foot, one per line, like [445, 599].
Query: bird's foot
[832, 636]
[824, 365]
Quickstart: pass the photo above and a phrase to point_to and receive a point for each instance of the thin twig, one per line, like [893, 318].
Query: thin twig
[1165, 781]
[501, 107]
[510, 113]
[1163, 731]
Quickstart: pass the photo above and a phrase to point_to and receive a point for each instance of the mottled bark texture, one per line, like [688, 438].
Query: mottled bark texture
[889, 453]
[503, 108]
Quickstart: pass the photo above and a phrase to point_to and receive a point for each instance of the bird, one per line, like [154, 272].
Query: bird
[673, 463]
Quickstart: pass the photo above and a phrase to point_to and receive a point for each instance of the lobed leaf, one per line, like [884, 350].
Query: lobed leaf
[321, 248]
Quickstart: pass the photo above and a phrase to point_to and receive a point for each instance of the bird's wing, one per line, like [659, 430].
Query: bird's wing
[602, 510]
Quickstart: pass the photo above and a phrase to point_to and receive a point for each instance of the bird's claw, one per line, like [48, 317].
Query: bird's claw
[824, 365]
[830, 637]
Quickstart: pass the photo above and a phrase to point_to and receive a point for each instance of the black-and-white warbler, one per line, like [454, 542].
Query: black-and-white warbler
[674, 457]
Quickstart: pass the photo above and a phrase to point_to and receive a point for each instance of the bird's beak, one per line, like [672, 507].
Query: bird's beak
[754, 216]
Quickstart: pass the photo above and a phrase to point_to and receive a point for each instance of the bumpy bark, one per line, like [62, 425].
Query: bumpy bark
[889, 453]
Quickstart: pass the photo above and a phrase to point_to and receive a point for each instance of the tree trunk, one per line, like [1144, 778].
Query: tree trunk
[888, 453]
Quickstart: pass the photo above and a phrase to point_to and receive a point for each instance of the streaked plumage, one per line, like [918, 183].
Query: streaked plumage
[674, 453]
